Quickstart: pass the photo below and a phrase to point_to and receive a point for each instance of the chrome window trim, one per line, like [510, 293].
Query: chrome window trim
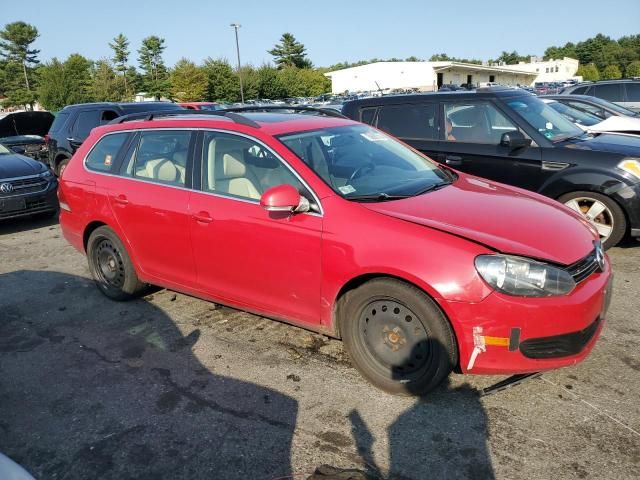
[201, 129]
[5, 180]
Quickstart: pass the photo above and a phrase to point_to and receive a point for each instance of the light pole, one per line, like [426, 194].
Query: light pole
[236, 26]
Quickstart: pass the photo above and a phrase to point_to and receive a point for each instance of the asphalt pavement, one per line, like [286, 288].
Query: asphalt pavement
[170, 386]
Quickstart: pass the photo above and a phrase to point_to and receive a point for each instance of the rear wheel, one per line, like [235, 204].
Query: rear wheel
[111, 267]
[602, 212]
[397, 337]
[61, 166]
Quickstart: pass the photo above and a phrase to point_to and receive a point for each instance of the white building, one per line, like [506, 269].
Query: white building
[554, 70]
[429, 76]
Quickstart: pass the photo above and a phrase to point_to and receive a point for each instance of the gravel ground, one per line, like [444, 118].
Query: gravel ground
[170, 386]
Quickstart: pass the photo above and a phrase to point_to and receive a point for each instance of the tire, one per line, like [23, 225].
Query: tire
[397, 337]
[61, 166]
[611, 222]
[111, 266]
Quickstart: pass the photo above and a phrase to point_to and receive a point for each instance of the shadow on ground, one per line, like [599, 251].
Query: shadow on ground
[24, 224]
[91, 388]
[97, 389]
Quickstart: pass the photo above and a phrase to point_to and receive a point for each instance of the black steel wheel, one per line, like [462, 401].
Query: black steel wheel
[111, 266]
[397, 336]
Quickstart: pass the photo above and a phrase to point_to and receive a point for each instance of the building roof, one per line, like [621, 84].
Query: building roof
[439, 66]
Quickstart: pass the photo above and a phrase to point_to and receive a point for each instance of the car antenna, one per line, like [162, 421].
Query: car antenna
[379, 89]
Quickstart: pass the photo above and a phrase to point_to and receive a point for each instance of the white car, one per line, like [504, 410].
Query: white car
[594, 124]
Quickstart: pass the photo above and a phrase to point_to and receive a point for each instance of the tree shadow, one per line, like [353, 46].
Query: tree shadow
[442, 435]
[91, 388]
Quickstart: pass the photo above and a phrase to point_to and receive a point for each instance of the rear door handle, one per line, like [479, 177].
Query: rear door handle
[121, 200]
[202, 217]
[453, 160]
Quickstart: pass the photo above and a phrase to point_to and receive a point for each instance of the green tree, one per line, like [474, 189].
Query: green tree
[611, 72]
[512, 58]
[155, 77]
[188, 81]
[106, 85]
[15, 47]
[223, 85]
[633, 69]
[290, 53]
[65, 83]
[269, 83]
[588, 72]
[314, 82]
[120, 47]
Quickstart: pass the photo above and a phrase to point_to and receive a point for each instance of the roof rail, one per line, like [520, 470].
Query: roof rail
[329, 112]
[148, 116]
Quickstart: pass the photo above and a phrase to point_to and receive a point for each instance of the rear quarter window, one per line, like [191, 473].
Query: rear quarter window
[103, 155]
[59, 121]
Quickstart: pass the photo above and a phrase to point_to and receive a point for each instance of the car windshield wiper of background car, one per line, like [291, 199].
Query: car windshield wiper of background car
[564, 138]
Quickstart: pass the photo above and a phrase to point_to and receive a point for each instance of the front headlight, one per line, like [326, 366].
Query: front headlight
[523, 277]
[630, 165]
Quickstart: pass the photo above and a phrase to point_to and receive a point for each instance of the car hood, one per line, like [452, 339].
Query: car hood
[503, 218]
[617, 124]
[25, 123]
[627, 145]
[21, 140]
[14, 165]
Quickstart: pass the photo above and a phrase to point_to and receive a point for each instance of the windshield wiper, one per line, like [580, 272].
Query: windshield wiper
[377, 197]
[431, 188]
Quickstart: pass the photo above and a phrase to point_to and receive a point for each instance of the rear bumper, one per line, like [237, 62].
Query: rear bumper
[525, 335]
[34, 203]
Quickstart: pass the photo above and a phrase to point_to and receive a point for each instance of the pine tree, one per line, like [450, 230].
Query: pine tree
[15, 43]
[290, 53]
[156, 77]
[120, 47]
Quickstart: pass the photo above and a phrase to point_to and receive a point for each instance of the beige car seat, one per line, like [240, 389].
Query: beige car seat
[227, 171]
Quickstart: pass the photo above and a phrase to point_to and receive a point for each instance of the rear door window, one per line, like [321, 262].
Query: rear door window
[410, 121]
[59, 121]
[103, 155]
[160, 156]
[610, 91]
[586, 107]
[86, 122]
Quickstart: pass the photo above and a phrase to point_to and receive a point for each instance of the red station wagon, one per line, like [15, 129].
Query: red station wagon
[334, 226]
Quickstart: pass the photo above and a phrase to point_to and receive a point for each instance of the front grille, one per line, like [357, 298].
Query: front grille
[559, 345]
[26, 185]
[32, 206]
[583, 268]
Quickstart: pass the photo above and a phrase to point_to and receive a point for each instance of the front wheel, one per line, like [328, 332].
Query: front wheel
[397, 337]
[110, 265]
[602, 212]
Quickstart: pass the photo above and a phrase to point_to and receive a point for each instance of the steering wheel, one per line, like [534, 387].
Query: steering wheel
[367, 167]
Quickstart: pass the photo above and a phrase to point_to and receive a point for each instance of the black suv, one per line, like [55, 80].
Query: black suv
[511, 136]
[74, 122]
[623, 92]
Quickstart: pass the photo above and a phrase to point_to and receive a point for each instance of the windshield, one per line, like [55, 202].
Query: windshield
[358, 161]
[575, 115]
[4, 150]
[543, 118]
[210, 107]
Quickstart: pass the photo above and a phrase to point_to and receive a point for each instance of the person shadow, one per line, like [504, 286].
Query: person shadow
[91, 388]
[442, 435]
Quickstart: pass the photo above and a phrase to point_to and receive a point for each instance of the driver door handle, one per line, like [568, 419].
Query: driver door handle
[453, 160]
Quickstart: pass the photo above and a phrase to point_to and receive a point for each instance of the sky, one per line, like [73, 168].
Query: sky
[332, 31]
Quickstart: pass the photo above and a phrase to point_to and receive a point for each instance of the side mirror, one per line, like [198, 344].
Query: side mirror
[284, 198]
[514, 140]
[18, 150]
